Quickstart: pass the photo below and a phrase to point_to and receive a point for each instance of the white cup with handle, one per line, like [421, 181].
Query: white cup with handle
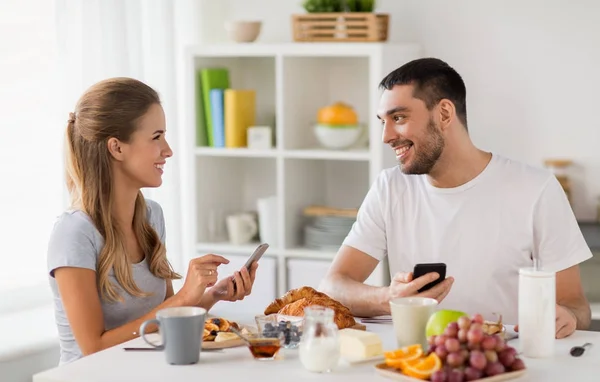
[241, 228]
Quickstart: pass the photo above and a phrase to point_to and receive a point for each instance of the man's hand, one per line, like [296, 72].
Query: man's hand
[566, 322]
[403, 285]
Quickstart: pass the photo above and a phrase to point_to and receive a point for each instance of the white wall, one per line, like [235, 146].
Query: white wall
[528, 66]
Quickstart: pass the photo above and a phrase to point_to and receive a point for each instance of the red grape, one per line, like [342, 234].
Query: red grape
[452, 330]
[431, 340]
[462, 335]
[511, 350]
[478, 318]
[432, 348]
[476, 325]
[506, 357]
[456, 375]
[517, 364]
[491, 355]
[440, 340]
[439, 376]
[452, 345]
[488, 343]
[441, 351]
[494, 368]
[475, 335]
[454, 359]
[500, 343]
[474, 346]
[472, 374]
[464, 322]
[477, 360]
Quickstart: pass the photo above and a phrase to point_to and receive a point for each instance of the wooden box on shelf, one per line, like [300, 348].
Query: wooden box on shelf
[340, 27]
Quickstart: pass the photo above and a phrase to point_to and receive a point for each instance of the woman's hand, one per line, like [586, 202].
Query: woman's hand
[236, 286]
[202, 273]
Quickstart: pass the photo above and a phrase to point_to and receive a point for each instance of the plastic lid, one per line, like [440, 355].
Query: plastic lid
[536, 272]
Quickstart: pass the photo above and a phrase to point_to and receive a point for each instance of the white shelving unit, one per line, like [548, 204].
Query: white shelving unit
[292, 81]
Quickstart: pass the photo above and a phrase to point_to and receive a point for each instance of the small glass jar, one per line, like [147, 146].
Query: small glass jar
[320, 345]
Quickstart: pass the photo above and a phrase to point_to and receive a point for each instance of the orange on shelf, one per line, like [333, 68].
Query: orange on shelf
[337, 114]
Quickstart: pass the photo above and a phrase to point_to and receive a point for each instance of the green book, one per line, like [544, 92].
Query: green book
[211, 78]
[201, 136]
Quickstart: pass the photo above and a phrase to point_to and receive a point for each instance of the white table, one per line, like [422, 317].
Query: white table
[237, 364]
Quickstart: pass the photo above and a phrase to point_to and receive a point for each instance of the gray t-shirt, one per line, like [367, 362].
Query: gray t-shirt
[75, 242]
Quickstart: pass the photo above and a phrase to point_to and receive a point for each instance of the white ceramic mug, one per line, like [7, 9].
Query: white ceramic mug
[241, 228]
[410, 316]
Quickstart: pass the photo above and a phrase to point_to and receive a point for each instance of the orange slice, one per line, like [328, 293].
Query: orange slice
[399, 358]
[424, 368]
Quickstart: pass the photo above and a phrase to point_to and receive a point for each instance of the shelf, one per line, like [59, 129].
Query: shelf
[293, 49]
[234, 152]
[292, 82]
[232, 249]
[349, 155]
[306, 253]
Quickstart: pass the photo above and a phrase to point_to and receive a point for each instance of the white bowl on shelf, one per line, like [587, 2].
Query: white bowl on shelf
[243, 31]
[337, 137]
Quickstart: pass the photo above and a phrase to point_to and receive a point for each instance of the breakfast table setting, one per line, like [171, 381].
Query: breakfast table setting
[366, 349]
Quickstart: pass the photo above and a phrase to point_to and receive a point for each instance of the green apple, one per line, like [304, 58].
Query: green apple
[438, 321]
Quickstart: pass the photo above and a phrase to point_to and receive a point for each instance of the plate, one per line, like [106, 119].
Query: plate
[229, 343]
[359, 326]
[353, 361]
[392, 373]
[223, 344]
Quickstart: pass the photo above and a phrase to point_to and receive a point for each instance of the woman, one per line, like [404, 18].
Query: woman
[106, 256]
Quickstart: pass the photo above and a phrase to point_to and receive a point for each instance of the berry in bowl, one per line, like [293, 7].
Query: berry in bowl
[288, 328]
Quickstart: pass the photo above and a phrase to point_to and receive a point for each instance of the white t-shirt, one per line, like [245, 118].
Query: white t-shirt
[484, 230]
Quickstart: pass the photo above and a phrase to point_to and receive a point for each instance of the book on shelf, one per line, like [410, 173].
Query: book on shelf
[223, 114]
[211, 78]
[217, 115]
[240, 113]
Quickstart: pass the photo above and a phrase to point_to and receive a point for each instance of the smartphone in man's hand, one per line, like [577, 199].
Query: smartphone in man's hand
[425, 268]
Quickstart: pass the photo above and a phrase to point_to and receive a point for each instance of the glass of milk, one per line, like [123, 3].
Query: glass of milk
[319, 346]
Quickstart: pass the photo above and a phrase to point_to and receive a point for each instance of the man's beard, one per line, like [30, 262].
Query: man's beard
[428, 154]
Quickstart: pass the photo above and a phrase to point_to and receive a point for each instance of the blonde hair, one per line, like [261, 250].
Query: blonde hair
[109, 109]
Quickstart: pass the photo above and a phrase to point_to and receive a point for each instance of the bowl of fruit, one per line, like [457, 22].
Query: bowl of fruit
[463, 352]
[287, 328]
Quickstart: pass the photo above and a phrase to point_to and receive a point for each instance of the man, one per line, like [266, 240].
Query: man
[483, 215]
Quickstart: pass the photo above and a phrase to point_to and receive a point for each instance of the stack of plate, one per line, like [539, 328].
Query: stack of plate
[327, 232]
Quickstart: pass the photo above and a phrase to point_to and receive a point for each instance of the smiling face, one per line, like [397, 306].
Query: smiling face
[144, 156]
[410, 129]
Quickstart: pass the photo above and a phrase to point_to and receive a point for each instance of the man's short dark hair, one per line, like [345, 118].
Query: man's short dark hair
[433, 80]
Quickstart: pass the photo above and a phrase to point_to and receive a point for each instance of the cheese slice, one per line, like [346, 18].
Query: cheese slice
[225, 336]
[359, 344]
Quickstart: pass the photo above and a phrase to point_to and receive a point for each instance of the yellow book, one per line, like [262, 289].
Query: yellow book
[240, 113]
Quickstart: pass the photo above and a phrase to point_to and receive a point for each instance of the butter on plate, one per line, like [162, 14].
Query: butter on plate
[360, 346]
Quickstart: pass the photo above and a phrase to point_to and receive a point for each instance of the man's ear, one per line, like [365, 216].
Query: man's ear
[447, 113]
[115, 148]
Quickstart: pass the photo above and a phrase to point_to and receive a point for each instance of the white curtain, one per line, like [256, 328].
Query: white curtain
[143, 39]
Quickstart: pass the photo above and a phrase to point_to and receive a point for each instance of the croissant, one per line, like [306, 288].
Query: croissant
[342, 317]
[295, 300]
[291, 296]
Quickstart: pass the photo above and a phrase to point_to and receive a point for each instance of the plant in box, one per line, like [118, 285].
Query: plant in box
[340, 20]
[324, 6]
